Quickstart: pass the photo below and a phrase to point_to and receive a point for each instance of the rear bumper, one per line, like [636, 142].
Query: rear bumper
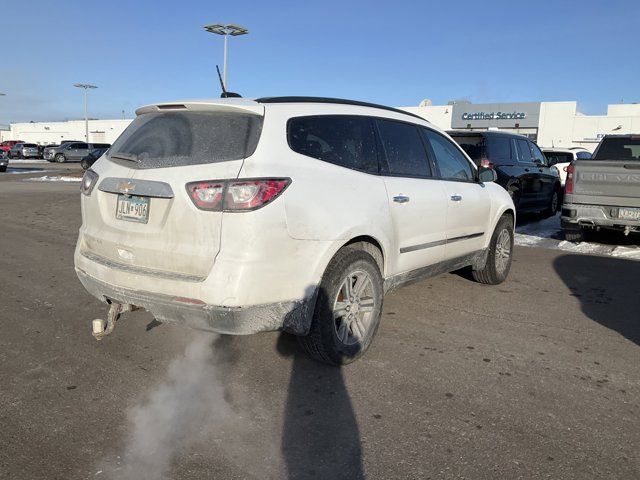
[576, 216]
[293, 316]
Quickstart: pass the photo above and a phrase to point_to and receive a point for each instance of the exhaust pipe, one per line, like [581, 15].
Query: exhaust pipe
[102, 328]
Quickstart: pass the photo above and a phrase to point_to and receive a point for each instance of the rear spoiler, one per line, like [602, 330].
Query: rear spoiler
[230, 105]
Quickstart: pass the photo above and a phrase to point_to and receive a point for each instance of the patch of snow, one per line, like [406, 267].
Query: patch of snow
[547, 233]
[53, 178]
[26, 160]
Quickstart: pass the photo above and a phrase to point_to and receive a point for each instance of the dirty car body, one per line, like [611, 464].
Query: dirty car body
[224, 215]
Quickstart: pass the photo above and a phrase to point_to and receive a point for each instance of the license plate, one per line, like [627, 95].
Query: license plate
[629, 213]
[133, 209]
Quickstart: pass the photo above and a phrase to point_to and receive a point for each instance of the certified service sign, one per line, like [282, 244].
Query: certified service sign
[469, 115]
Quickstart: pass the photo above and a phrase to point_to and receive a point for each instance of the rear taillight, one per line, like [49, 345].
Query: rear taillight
[568, 184]
[236, 195]
[89, 181]
[486, 163]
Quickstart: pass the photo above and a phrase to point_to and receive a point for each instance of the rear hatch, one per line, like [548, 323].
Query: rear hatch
[139, 217]
[612, 175]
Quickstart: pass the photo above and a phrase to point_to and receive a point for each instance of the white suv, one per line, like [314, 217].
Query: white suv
[293, 213]
[562, 157]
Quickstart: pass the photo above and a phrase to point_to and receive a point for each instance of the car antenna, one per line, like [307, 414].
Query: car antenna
[224, 93]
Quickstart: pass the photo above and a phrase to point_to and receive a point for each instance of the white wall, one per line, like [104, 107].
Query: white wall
[100, 131]
[555, 124]
[439, 115]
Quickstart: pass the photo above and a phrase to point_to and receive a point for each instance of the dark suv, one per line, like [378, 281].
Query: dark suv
[522, 168]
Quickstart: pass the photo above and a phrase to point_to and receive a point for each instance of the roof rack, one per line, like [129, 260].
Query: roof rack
[340, 101]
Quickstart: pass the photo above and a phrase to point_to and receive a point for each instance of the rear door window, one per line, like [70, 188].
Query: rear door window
[404, 151]
[473, 145]
[174, 139]
[558, 157]
[524, 152]
[345, 140]
[499, 149]
[583, 155]
[452, 164]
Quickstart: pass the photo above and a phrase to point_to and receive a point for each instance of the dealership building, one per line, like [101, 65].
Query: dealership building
[46, 133]
[550, 124]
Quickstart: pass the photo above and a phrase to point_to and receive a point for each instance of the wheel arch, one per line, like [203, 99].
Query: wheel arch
[370, 245]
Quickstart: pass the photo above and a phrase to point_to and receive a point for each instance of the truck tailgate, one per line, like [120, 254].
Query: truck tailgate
[607, 182]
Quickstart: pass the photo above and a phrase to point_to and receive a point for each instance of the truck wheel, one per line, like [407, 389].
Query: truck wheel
[574, 235]
[500, 254]
[60, 158]
[348, 309]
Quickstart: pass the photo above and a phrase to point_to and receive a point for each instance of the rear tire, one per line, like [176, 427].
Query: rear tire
[348, 309]
[554, 204]
[60, 158]
[500, 254]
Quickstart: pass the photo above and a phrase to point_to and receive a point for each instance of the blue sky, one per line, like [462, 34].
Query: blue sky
[395, 53]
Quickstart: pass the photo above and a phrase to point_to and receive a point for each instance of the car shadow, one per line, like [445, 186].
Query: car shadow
[320, 436]
[608, 290]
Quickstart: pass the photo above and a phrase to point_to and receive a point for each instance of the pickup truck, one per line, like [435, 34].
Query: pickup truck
[604, 191]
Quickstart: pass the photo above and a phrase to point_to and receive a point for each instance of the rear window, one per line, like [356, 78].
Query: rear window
[345, 140]
[622, 148]
[404, 150]
[473, 145]
[583, 155]
[29, 145]
[156, 140]
[101, 145]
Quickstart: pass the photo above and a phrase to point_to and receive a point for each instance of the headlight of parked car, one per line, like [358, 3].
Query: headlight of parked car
[89, 181]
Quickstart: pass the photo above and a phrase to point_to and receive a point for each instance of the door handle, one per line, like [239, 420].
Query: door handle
[401, 199]
[456, 198]
[526, 169]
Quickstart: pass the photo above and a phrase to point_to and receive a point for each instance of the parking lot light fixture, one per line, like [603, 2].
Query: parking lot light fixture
[86, 87]
[226, 30]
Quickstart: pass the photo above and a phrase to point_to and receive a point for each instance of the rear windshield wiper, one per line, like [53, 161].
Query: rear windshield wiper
[129, 157]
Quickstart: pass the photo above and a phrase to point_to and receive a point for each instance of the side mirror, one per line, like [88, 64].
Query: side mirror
[538, 161]
[487, 174]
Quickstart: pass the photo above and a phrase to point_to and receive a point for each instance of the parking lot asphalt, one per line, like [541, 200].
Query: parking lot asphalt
[534, 378]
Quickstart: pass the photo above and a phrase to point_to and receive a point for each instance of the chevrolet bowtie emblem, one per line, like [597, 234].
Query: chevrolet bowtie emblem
[126, 187]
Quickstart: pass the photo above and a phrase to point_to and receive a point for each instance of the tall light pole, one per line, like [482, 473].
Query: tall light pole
[85, 86]
[226, 30]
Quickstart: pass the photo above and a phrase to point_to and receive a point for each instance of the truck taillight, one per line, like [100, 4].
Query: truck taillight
[236, 195]
[568, 184]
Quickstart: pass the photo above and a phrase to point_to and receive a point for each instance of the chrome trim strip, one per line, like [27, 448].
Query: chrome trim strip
[422, 246]
[131, 186]
[142, 270]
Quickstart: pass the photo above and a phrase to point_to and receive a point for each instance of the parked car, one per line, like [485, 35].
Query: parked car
[7, 144]
[94, 155]
[4, 161]
[521, 166]
[72, 151]
[604, 191]
[24, 150]
[292, 213]
[562, 157]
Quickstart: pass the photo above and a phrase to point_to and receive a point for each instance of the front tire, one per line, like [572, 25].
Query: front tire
[348, 309]
[60, 158]
[500, 254]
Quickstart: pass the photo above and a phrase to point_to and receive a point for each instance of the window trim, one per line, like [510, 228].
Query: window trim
[474, 168]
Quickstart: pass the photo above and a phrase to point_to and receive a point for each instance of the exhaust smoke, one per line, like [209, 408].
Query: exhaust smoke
[176, 414]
